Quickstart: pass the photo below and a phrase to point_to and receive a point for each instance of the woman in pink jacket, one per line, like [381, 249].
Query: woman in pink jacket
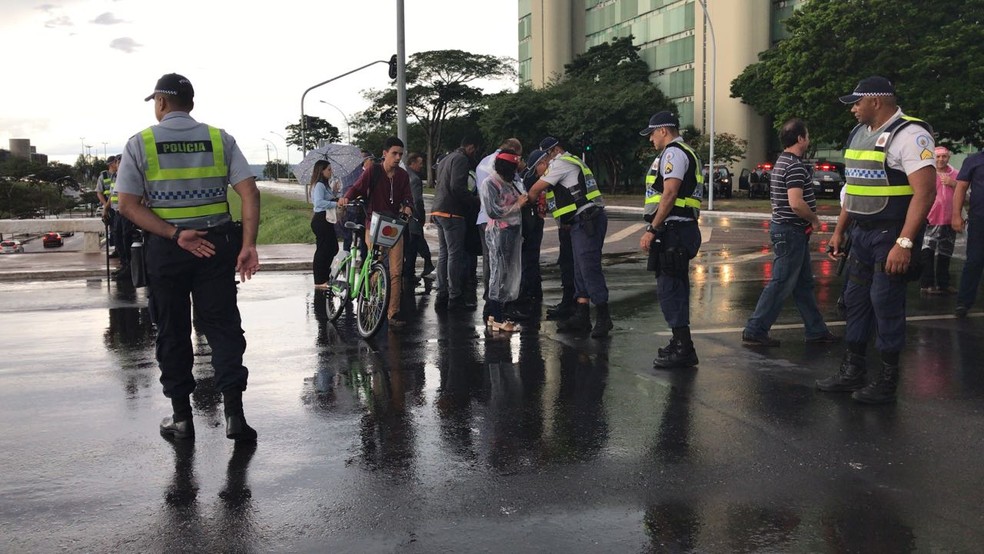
[938, 241]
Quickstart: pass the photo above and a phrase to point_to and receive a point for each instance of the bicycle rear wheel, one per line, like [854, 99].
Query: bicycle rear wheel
[372, 301]
[337, 295]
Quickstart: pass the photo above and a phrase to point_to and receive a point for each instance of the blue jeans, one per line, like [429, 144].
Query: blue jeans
[451, 258]
[791, 275]
[970, 279]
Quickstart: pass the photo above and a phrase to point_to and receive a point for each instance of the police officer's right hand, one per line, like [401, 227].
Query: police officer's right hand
[833, 247]
[958, 222]
[194, 241]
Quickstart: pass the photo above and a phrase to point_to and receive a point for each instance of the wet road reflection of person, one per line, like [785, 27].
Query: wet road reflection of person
[580, 426]
[672, 444]
[515, 402]
[183, 527]
[462, 381]
[387, 429]
[130, 337]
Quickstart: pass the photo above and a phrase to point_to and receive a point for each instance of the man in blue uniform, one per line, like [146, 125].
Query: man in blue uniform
[891, 184]
[573, 199]
[674, 186]
[172, 183]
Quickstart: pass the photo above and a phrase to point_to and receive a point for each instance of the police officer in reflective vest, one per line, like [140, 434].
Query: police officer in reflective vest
[674, 188]
[104, 191]
[891, 184]
[573, 198]
[172, 183]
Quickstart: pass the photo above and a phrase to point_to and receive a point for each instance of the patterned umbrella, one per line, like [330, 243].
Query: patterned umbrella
[345, 159]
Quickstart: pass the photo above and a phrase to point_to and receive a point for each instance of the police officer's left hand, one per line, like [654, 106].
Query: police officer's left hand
[248, 262]
[898, 260]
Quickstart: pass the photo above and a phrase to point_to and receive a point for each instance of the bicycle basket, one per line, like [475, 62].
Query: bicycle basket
[385, 230]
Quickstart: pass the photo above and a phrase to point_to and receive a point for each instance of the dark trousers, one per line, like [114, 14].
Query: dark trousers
[566, 261]
[123, 232]
[411, 247]
[587, 241]
[176, 279]
[875, 300]
[673, 289]
[531, 284]
[970, 279]
[326, 246]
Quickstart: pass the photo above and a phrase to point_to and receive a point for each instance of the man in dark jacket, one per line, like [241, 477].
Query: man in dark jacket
[416, 243]
[453, 204]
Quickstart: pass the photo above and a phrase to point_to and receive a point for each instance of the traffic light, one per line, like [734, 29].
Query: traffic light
[392, 67]
[588, 142]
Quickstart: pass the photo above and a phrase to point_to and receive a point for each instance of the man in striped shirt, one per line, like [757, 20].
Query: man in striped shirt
[794, 217]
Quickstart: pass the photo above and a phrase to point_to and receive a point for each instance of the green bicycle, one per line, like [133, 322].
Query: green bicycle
[364, 281]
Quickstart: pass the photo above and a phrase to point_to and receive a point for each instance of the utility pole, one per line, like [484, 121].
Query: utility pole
[401, 75]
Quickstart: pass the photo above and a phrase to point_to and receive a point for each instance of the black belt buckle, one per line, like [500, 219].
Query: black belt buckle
[588, 214]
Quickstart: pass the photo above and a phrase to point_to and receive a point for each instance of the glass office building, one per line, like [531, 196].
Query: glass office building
[675, 42]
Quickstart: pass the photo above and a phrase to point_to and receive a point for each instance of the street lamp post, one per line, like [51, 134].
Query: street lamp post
[322, 83]
[287, 161]
[348, 128]
[82, 140]
[104, 150]
[710, 173]
[277, 152]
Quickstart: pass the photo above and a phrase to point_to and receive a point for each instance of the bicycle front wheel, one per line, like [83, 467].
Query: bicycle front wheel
[337, 295]
[372, 301]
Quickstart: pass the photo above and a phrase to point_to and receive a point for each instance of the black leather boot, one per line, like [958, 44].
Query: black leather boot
[180, 425]
[676, 355]
[603, 322]
[562, 310]
[577, 323]
[851, 376]
[882, 390]
[236, 427]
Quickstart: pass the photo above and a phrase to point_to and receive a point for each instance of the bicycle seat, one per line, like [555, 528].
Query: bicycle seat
[353, 225]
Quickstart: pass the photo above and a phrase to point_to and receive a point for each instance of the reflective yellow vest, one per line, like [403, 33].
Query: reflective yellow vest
[562, 202]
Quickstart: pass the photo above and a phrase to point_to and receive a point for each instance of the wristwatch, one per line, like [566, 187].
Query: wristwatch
[650, 229]
[904, 243]
[177, 233]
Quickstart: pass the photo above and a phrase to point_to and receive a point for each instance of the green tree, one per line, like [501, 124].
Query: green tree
[728, 147]
[605, 94]
[439, 87]
[316, 131]
[832, 45]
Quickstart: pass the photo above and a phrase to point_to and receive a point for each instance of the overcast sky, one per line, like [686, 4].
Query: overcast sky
[81, 68]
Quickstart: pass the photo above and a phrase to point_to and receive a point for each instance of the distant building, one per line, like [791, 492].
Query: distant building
[21, 148]
[674, 41]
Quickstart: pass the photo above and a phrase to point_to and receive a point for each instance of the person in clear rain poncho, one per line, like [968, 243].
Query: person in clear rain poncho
[503, 200]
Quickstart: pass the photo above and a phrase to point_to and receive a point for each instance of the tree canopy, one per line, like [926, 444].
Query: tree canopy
[316, 130]
[929, 54]
[439, 87]
[604, 97]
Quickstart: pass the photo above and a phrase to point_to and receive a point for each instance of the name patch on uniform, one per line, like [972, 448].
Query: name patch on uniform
[184, 147]
[882, 139]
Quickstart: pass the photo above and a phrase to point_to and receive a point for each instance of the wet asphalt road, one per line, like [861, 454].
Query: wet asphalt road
[439, 437]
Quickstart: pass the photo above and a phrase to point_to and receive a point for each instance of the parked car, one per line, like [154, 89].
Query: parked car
[827, 180]
[723, 181]
[11, 247]
[756, 182]
[52, 240]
